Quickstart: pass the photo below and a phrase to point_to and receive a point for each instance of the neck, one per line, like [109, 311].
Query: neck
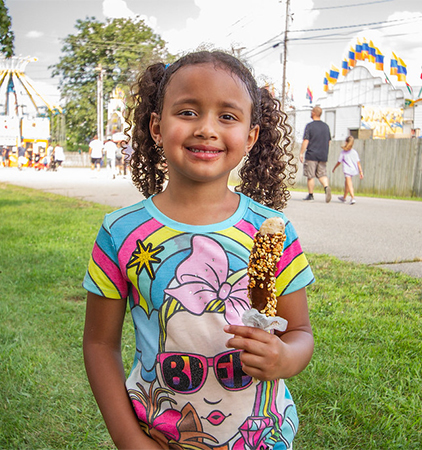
[198, 203]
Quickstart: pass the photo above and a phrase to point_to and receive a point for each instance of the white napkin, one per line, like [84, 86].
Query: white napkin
[253, 318]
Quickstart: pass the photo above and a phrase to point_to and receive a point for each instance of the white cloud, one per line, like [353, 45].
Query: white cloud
[34, 34]
[117, 9]
[246, 25]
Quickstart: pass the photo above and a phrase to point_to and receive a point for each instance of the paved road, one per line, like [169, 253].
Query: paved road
[374, 231]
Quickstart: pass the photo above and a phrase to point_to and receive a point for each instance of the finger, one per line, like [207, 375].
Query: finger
[258, 369]
[248, 332]
[247, 345]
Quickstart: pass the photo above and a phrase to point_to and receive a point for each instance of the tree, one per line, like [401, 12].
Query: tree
[7, 37]
[121, 47]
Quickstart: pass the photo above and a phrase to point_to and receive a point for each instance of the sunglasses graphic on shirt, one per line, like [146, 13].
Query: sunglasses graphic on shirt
[186, 372]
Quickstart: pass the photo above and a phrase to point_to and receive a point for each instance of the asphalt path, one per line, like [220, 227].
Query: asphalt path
[382, 232]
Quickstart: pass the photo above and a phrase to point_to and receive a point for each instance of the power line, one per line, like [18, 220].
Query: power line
[390, 23]
[348, 6]
[387, 24]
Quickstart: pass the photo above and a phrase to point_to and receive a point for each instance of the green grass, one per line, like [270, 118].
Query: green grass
[362, 389]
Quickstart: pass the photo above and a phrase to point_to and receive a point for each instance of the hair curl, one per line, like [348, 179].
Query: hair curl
[269, 166]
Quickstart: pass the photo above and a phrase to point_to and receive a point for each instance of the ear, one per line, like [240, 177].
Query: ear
[155, 128]
[252, 138]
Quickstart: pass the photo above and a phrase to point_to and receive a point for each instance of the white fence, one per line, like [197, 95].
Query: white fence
[391, 167]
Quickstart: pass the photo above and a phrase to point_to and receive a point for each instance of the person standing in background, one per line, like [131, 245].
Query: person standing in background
[96, 153]
[22, 159]
[110, 149]
[59, 155]
[314, 154]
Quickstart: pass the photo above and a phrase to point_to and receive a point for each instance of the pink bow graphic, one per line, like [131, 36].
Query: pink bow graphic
[203, 278]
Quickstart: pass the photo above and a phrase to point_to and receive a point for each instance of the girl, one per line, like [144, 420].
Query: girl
[200, 379]
[351, 167]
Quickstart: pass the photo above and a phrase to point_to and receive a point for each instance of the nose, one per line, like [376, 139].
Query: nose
[206, 128]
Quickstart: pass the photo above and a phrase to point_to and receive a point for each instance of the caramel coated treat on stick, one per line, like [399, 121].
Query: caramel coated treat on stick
[265, 254]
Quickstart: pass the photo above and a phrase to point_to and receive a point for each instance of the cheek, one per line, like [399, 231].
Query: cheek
[172, 132]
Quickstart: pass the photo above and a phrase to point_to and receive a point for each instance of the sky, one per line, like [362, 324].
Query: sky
[320, 33]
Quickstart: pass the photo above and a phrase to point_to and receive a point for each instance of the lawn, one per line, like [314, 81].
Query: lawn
[362, 389]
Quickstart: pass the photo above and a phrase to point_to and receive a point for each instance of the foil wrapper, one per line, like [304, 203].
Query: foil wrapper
[253, 318]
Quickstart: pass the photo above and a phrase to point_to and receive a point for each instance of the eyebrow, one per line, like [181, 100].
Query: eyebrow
[224, 104]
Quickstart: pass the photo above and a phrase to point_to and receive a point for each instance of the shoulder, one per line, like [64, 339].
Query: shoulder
[257, 213]
[126, 217]
[322, 124]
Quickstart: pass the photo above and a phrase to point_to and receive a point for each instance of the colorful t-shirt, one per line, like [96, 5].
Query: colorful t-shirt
[184, 284]
[350, 161]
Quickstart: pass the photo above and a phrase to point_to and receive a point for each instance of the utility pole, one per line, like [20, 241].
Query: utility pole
[100, 108]
[286, 29]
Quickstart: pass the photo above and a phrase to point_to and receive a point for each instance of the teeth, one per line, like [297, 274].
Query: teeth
[194, 150]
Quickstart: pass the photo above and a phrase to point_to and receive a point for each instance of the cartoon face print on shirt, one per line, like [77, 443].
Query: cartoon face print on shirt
[222, 394]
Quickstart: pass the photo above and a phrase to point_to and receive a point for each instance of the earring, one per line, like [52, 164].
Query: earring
[157, 147]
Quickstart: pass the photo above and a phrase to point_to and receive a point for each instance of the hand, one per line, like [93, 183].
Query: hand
[265, 356]
[301, 157]
[361, 175]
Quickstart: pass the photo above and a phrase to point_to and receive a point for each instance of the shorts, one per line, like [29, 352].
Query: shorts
[96, 160]
[314, 169]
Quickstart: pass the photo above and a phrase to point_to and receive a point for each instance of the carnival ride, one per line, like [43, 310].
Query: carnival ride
[25, 113]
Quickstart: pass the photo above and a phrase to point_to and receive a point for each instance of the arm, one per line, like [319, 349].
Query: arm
[104, 367]
[335, 167]
[303, 150]
[268, 356]
[360, 170]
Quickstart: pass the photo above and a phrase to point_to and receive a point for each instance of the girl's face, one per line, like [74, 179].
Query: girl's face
[205, 125]
[220, 413]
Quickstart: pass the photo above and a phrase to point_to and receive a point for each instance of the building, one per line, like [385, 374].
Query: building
[364, 106]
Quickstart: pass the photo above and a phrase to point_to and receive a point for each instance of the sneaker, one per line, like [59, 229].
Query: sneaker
[327, 194]
[342, 199]
[309, 198]
[353, 201]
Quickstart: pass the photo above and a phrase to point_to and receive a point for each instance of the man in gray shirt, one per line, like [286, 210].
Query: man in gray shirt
[314, 153]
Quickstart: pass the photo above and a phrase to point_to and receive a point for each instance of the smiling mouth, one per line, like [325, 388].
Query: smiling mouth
[216, 418]
[197, 150]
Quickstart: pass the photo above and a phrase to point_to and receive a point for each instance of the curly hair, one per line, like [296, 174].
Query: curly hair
[269, 167]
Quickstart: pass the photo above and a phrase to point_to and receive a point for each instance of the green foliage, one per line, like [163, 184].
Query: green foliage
[7, 36]
[121, 47]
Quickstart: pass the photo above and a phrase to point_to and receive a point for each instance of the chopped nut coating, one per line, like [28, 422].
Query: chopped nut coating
[266, 252]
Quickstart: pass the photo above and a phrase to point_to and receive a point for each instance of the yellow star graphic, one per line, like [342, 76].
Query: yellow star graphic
[144, 257]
